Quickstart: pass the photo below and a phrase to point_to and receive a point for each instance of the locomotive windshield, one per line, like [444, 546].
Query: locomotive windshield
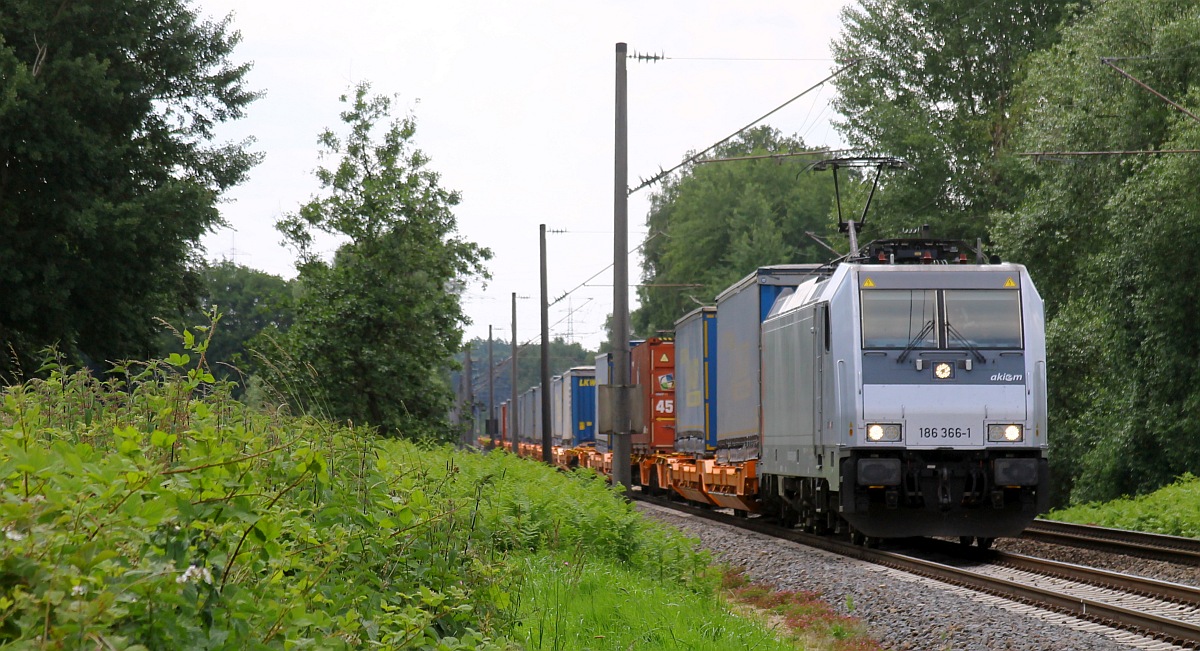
[951, 318]
[984, 318]
[897, 318]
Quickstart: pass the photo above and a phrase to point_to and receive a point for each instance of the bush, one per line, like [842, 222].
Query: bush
[151, 510]
[1173, 510]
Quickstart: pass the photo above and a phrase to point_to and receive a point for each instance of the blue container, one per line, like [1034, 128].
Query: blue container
[579, 406]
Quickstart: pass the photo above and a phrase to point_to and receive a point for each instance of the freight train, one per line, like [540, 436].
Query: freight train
[899, 392]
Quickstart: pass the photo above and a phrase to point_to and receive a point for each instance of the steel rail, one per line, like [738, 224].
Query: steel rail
[1150, 624]
[1173, 549]
[1166, 590]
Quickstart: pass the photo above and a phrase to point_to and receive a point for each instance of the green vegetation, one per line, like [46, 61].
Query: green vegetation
[109, 176]
[378, 324]
[250, 303]
[1173, 510]
[710, 225]
[933, 84]
[576, 603]
[151, 510]
[1109, 239]
[110, 172]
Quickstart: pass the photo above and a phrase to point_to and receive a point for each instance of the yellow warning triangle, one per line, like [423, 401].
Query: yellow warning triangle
[868, 283]
[664, 358]
[1010, 283]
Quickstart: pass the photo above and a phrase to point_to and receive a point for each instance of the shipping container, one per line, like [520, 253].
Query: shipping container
[578, 407]
[503, 424]
[530, 418]
[695, 382]
[654, 371]
[557, 414]
[538, 429]
[741, 309]
[603, 371]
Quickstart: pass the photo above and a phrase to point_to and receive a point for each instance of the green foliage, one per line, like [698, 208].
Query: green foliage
[1173, 510]
[1110, 240]
[248, 302]
[712, 224]
[933, 85]
[108, 173]
[152, 511]
[139, 515]
[379, 323]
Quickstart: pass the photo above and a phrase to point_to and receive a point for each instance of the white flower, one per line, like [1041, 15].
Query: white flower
[79, 590]
[11, 533]
[195, 573]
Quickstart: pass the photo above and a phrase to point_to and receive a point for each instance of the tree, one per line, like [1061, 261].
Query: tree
[932, 85]
[248, 303]
[1111, 241]
[712, 224]
[380, 322]
[109, 174]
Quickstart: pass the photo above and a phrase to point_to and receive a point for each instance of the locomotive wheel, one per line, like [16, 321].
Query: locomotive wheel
[984, 543]
[966, 541]
[857, 537]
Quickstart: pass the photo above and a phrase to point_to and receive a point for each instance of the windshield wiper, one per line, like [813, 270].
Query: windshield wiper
[913, 344]
[970, 346]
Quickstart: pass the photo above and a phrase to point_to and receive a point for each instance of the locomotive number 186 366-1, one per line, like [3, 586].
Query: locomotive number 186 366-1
[944, 432]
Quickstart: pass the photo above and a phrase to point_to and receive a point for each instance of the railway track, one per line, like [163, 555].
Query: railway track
[1165, 611]
[1173, 549]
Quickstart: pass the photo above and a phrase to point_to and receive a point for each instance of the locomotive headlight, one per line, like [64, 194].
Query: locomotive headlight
[883, 432]
[1006, 432]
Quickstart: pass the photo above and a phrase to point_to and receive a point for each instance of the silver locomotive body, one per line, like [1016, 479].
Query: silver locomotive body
[907, 400]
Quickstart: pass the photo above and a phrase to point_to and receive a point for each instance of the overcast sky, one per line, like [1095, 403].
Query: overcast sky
[514, 103]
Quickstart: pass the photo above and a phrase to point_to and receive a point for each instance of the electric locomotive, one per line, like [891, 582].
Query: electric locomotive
[903, 393]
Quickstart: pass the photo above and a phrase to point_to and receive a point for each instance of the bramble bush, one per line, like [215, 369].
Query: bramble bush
[150, 510]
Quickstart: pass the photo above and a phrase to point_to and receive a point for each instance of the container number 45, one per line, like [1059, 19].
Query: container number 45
[664, 406]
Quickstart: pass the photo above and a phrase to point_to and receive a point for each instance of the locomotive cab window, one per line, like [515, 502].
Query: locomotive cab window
[946, 319]
[897, 318]
[983, 318]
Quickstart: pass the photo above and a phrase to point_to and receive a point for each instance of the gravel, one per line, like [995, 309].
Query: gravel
[901, 611]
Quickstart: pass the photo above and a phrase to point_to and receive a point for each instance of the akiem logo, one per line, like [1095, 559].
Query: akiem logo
[1007, 377]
